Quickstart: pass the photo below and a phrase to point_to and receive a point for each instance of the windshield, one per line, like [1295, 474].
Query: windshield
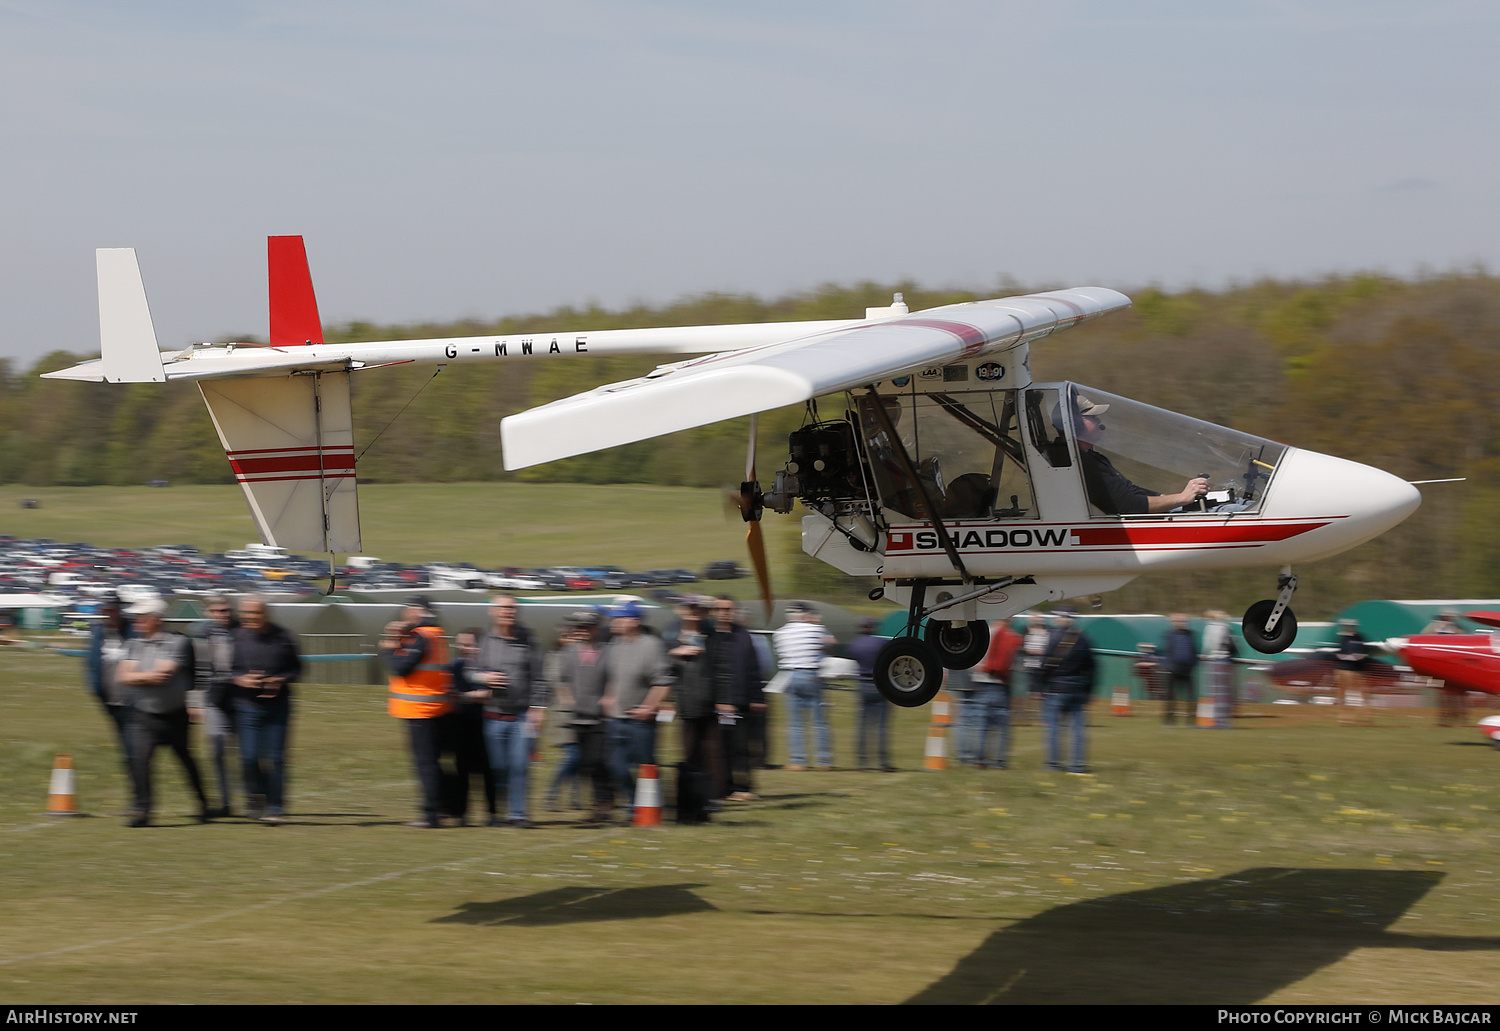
[1140, 452]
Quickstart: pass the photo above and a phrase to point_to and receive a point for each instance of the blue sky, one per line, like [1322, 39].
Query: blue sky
[449, 159]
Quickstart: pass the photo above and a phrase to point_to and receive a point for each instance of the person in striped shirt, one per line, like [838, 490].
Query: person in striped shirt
[799, 651]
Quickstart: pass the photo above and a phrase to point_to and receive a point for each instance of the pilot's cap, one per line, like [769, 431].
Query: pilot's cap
[1085, 406]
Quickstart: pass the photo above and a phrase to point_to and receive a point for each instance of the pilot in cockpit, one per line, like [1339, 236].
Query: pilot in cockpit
[1107, 487]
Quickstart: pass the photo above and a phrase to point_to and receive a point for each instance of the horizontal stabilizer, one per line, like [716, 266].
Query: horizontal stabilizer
[127, 339]
[290, 441]
[737, 383]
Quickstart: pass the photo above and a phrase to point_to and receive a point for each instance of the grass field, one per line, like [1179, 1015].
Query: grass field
[1287, 860]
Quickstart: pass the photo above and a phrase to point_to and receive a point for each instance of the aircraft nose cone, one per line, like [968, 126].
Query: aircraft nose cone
[1382, 499]
[1370, 500]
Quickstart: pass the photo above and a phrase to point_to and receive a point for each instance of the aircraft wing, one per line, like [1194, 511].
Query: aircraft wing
[736, 383]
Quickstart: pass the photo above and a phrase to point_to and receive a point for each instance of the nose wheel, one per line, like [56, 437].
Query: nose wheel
[908, 672]
[1269, 625]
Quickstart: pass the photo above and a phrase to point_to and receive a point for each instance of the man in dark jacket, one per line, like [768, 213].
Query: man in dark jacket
[265, 667]
[466, 731]
[745, 696]
[873, 739]
[701, 689]
[1178, 658]
[1068, 668]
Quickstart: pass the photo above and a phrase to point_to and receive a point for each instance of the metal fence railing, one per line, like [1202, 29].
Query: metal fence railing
[344, 659]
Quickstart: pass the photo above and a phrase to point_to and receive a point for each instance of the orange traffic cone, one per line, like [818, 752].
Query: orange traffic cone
[647, 798]
[1205, 712]
[942, 707]
[60, 800]
[936, 755]
[1120, 705]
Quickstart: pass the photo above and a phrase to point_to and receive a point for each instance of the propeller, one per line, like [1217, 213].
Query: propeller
[750, 505]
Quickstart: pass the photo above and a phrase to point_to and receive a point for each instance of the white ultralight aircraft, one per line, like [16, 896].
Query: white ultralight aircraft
[972, 493]
[969, 491]
[282, 409]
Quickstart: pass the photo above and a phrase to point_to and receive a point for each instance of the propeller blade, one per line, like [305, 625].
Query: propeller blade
[757, 545]
[750, 452]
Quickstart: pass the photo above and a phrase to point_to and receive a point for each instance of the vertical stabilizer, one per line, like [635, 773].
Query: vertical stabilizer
[127, 338]
[290, 441]
[294, 306]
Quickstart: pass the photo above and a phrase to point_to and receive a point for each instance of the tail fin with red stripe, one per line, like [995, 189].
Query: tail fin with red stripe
[294, 306]
[290, 441]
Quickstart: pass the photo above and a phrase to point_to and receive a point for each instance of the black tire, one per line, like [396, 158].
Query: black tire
[958, 647]
[907, 672]
[1254, 626]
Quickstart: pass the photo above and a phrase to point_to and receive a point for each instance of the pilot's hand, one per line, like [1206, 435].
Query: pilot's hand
[1196, 487]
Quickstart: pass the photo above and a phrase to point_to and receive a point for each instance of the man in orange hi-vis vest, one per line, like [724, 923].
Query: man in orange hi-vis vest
[418, 657]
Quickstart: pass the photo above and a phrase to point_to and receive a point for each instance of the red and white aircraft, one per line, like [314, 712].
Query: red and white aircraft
[1470, 662]
[282, 409]
[971, 493]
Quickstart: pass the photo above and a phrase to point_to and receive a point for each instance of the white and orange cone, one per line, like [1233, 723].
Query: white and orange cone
[647, 798]
[1120, 703]
[936, 754]
[942, 707]
[60, 797]
[1205, 711]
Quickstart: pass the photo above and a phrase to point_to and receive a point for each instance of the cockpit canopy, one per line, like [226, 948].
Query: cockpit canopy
[1161, 451]
[971, 452]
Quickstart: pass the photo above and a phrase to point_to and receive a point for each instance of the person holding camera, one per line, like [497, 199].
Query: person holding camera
[414, 649]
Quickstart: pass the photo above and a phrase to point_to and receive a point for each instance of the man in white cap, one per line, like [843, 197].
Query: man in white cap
[158, 671]
[1108, 489]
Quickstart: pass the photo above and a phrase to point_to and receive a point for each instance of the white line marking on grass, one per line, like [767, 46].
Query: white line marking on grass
[446, 864]
[31, 826]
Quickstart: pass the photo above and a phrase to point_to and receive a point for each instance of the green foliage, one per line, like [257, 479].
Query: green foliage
[1166, 314]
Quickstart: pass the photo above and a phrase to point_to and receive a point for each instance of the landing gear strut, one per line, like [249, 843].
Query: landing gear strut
[1270, 626]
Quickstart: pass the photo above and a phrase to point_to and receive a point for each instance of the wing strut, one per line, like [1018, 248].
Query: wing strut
[910, 470]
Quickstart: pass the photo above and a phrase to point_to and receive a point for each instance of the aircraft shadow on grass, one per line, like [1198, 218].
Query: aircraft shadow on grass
[1232, 940]
[574, 905]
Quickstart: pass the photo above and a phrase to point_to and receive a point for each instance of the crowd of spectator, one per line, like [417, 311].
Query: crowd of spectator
[605, 687]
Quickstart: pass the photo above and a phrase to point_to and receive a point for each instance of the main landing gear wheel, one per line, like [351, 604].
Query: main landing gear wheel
[958, 647]
[907, 672]
[1254, 626]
